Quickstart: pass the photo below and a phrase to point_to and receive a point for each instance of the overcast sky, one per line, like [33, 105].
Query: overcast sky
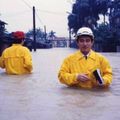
[52, 13]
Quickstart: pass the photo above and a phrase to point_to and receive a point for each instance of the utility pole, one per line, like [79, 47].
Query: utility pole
[69, 37]
[69, 44]
[45, 32]
[34, 30]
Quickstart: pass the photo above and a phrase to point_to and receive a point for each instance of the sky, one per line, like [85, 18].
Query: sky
[50, 13]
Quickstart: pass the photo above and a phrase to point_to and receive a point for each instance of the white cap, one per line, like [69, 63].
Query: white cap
[85, 31]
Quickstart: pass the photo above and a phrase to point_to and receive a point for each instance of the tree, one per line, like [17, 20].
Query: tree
[2, 29]
[4, 39]
[51, 34]
[40, 35]
[86, 13]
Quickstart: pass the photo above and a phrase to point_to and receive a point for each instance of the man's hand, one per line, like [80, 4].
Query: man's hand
[82, 77]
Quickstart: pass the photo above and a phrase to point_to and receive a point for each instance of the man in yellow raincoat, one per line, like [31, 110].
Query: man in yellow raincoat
[17, 58]
[85, 68]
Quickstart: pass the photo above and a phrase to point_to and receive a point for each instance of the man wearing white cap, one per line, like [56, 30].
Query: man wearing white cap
[85, 68]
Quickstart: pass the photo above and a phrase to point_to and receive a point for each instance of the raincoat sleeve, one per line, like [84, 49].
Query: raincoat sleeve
[28, 60]
[2, 65]
[65, 76]
[107, 72]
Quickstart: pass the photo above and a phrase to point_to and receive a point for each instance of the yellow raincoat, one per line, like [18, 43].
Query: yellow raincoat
[16, 60]
[77, 64]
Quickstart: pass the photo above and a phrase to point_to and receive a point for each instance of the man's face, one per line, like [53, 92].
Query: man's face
[85, 44]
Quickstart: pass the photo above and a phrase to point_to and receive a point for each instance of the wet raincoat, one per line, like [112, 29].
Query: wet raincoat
[77, 64]
[16, 60]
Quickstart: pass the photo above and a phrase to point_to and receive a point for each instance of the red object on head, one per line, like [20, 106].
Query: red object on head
[19, 35]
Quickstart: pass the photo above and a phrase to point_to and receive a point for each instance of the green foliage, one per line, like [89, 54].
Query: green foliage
[51, 34]
[2, 29]
[86, 13]
[40, 35]
[102, 32]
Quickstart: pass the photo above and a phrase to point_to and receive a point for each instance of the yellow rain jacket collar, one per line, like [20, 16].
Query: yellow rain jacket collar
[79, 55]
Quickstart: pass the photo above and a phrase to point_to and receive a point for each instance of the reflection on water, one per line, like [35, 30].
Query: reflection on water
[40, 96]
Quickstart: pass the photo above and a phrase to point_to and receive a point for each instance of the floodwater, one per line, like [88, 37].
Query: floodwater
[40, 96]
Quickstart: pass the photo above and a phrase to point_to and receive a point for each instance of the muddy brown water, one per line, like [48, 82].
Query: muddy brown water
[40, 96]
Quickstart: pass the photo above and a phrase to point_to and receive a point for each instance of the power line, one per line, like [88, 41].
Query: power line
[27, 4]
[16, 14]
[39, 18]
[30, 0]
[35, 13]
[51, 12]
